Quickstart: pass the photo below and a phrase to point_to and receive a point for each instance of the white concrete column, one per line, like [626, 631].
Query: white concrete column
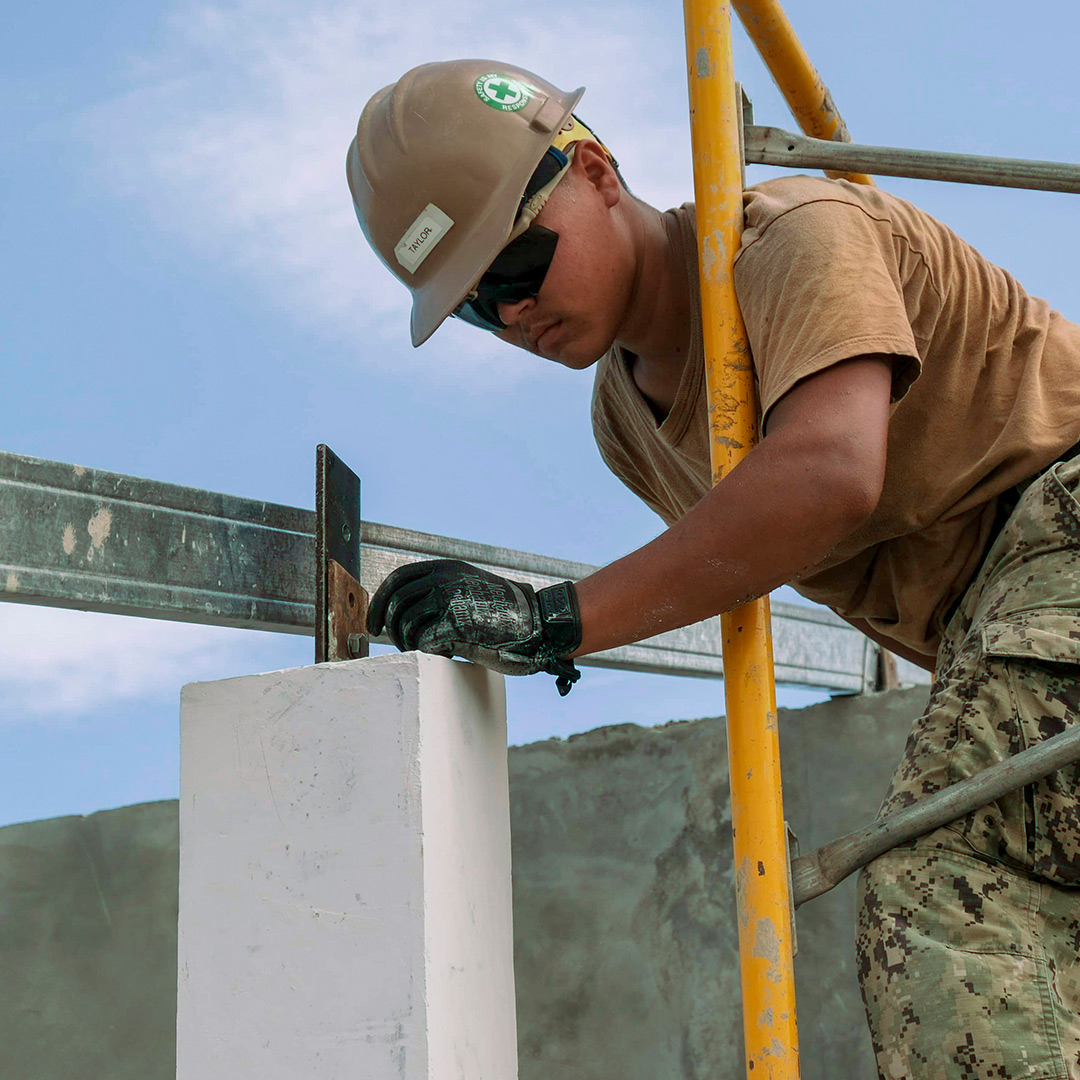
[345, 907]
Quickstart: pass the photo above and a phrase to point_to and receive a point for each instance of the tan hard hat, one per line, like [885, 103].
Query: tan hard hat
[437, 169]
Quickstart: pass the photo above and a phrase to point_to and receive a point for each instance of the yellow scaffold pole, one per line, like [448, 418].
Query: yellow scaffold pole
[807, 96]
[761, 858]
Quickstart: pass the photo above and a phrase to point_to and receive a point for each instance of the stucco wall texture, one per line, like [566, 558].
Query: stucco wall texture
[625, 945]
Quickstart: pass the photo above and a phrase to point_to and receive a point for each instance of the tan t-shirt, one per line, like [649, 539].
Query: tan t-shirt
[986, 387]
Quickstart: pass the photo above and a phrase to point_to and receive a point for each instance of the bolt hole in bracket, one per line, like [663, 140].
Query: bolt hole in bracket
[341, 602]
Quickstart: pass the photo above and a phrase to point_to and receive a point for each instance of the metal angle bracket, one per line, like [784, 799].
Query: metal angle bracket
[792, 842]
[340, 600]
[747, 109]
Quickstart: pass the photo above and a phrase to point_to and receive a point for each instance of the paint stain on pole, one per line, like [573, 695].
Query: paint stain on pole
[767, 947]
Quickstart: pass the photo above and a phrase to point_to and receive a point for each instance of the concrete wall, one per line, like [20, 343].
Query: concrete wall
[625, 936]
[625, 946]
[88, 946]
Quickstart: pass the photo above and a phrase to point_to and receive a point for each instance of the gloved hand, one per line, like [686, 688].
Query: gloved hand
[451, 608]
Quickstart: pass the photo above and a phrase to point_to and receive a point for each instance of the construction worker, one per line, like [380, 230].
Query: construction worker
[919, 411]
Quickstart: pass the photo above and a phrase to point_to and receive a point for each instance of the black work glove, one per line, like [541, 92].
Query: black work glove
[451, 608]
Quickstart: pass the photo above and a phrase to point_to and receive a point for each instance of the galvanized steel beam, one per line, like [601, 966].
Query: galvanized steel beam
[98, 541]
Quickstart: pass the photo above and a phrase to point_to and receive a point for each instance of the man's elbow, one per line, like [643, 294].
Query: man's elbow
[835, 479]
[845, 498]
[860, 496]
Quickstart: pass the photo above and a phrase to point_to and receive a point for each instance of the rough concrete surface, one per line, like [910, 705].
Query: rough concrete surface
[625, 946]
[88, 946]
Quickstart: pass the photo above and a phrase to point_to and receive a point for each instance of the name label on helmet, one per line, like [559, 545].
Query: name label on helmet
[421, 237]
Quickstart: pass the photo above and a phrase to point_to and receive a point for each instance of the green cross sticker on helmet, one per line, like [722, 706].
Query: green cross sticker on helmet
[502, 92]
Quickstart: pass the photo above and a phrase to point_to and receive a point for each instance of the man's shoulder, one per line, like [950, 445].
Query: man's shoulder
[796, 212]
[781, 193]
[771, 199]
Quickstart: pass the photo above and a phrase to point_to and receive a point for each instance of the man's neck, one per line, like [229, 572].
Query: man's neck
[656, 329]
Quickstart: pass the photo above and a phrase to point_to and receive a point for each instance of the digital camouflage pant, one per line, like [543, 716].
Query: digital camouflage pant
[969, 938]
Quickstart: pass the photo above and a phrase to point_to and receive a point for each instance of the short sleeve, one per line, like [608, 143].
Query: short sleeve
[819, 284]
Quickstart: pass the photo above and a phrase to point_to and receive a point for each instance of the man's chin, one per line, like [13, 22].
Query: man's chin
[580, 355]
[572, 354]
[577, 363]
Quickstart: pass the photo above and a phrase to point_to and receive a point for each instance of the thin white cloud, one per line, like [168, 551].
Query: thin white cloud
[57, 666]
[233, 137]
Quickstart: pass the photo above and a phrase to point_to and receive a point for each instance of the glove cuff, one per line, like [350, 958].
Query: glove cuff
[560, 617]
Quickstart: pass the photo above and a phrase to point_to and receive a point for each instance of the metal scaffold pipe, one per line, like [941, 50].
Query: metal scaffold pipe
[795, 76]
[771, 146]
[766, 945]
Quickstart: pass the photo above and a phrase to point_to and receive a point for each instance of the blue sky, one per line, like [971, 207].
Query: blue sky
[186, 296]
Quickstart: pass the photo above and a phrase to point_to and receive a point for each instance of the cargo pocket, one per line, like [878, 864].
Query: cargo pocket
[1040, 652]
[952, 970]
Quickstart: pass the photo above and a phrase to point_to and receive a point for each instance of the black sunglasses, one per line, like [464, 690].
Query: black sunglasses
[518, 271]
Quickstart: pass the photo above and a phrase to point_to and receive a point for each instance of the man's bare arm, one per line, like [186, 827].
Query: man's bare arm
[813, 479]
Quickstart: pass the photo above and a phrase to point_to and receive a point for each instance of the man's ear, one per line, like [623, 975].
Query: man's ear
[591, 165]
